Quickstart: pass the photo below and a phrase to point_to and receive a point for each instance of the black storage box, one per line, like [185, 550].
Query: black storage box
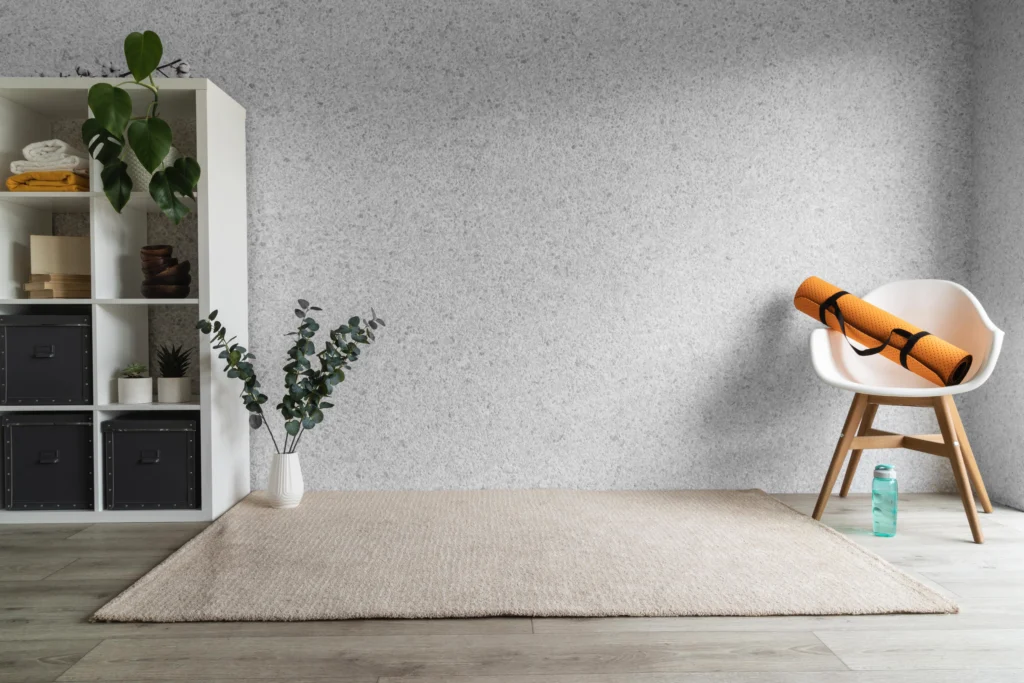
[48, 461]
[45, 360]
[151, 463]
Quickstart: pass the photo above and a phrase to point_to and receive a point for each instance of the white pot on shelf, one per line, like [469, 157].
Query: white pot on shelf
[173, 390]
[285, 488]
[135, 390]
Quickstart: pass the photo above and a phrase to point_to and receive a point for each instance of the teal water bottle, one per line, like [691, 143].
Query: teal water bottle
[884, 495]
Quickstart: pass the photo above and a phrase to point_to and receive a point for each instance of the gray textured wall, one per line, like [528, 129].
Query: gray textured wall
[994, 413]
[583, 221]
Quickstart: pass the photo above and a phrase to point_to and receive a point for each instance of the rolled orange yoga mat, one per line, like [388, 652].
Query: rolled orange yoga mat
[922, 353]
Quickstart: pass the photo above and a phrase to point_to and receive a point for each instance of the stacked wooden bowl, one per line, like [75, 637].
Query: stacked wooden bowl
[165, 278]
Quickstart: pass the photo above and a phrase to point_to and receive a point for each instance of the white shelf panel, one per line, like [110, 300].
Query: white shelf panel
[54, 202]
[44, 302]
[78, 202]
[46, 409]
[119, 407]
[65, 98]
[194, 405]
[147, 302]
[105, 302]
[97, 516]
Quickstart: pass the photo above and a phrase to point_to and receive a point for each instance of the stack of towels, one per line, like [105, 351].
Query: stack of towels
[50, 166]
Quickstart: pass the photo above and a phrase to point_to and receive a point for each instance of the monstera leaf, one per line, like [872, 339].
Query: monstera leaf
[103, 145]
[143, 51]
[117, 185]
[162, 190]
[111, 106]
[150, 139]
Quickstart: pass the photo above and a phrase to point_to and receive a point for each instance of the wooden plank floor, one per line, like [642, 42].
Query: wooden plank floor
[52, 577]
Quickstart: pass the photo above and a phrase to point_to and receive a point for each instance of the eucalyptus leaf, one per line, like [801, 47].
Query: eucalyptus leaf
[292, 427]
[143, 51]
[255, 421]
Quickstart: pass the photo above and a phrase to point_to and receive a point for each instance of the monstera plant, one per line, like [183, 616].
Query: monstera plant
[113, 129]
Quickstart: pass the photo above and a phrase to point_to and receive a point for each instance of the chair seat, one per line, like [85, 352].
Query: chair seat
[943, 308]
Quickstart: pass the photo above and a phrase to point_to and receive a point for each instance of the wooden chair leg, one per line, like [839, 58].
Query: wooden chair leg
[853, 418]
[948, 428]
[972, 465]
[851, 467]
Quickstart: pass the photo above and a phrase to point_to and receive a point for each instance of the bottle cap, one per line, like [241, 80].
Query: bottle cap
[885, 472]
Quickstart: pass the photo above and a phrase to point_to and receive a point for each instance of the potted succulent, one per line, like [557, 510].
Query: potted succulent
[133, 385]
[173, 386]
[310, 377]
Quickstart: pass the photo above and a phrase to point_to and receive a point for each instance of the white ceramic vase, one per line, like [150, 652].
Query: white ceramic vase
[285, 487]
[173, 389]
[135, 390]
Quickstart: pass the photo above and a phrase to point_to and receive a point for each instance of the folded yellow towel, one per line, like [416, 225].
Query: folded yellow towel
[48, 181]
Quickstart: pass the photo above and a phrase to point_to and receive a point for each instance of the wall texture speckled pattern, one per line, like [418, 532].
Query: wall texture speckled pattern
[998, 247]
[583, 222]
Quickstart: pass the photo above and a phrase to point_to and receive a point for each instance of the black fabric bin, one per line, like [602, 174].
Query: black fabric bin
[48, 461]
[45, 360]
[151, 463]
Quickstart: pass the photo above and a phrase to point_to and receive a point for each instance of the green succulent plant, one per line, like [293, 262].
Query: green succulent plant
[113, 129]
[306, 386]
[134, 371]
[173, 360]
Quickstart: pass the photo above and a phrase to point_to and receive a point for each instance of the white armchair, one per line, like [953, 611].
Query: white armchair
[947, 310]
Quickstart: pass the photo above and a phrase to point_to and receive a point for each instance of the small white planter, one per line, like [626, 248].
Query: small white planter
[285, 488]
[173, 389]
[137, 390]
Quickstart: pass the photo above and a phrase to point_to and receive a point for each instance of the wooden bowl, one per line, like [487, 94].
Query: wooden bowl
[182, 279]
[154, 267]
[165, 291]
[156, 250]
[174, 270]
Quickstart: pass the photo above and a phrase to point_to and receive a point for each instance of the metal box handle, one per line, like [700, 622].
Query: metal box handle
[49, 457]
[44, 351]
[149, 457]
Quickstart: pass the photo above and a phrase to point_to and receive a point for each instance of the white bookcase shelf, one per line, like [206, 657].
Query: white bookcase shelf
[30, 108]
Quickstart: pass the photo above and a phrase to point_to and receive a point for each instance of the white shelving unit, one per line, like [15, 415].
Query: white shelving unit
[29, 108]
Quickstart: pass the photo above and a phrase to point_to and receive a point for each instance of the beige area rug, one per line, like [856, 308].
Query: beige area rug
[547, 553]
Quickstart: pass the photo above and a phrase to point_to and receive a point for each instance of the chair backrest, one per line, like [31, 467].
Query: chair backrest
[947, 310]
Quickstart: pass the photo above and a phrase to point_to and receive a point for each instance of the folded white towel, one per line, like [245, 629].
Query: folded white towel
[74, 163]
[51, 150]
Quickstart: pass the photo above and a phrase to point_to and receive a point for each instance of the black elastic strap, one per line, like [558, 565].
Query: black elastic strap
[909, 344]
[831, 304]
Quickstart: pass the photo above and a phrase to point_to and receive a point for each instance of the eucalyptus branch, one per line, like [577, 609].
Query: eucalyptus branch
[306, 387]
